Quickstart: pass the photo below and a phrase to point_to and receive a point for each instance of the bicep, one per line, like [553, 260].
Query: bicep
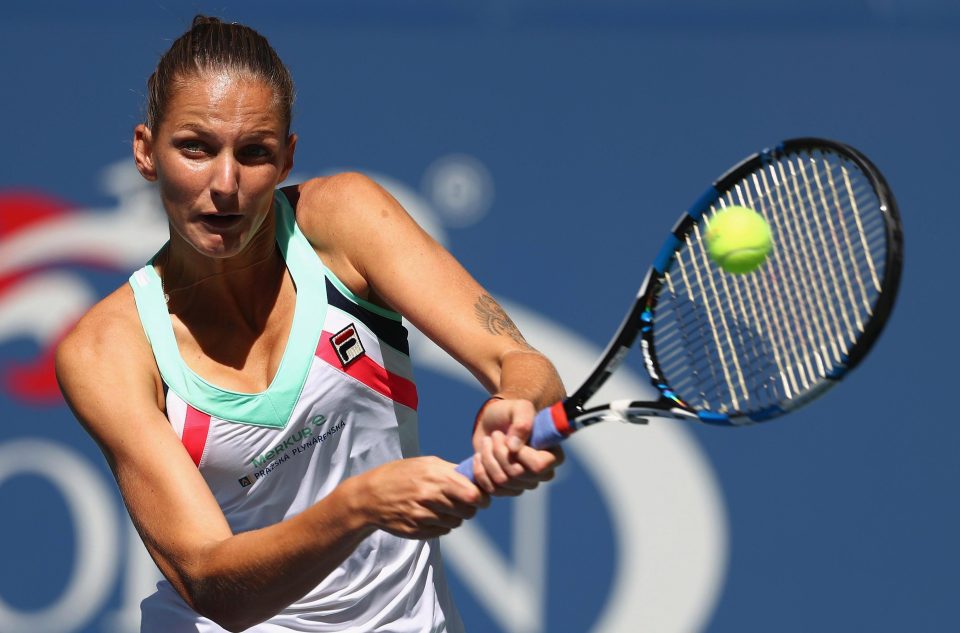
[436, 294]
[381, 252]
[424, 282]
[169, 502]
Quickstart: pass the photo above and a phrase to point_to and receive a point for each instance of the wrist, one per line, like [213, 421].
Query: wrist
[354, 495]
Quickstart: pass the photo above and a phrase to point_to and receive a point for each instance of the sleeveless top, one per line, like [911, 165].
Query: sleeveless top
[343, 401]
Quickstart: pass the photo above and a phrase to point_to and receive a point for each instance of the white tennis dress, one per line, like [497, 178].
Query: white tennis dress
[343, 401]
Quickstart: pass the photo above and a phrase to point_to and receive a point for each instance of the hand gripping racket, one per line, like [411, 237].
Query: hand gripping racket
[733, 350]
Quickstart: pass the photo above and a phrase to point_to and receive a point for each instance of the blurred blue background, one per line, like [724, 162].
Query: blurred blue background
[548, 145]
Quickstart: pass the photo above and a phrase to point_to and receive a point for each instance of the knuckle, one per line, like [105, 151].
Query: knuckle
[523, 422]
[472, 497]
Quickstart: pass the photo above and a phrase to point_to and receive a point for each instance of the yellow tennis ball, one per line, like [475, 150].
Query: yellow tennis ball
[738, 239]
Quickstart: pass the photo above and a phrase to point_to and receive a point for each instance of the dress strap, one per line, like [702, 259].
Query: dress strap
[274, 406]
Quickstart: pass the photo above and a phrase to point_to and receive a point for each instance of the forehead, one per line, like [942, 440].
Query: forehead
[223, 100]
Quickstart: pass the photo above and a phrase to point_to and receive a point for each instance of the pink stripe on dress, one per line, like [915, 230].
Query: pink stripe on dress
[196, 427]
[367, 371]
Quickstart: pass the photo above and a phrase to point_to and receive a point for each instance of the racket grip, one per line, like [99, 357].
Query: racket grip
[550, 427]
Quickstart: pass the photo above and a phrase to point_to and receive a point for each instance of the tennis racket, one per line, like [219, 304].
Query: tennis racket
[734, 350]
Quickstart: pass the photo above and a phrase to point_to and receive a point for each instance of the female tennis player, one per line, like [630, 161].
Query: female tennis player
[251, 386]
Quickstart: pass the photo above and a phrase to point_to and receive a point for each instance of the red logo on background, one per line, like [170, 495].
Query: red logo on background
[21, 214]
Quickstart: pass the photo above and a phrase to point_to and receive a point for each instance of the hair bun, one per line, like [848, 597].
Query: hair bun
[214, 45]
[204, 20]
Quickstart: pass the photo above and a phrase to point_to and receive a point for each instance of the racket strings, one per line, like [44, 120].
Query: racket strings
[746, 343]
[785, 210]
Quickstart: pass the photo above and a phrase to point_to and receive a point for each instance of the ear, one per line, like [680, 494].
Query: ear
[143, 152]
[288, 159]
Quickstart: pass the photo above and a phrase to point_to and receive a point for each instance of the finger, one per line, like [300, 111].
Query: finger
[524, 474]
[506, 455]
[472, 493]
[474, 496]
[501, 481]
[540, 464]
[422, 524]
[521, 423]
[518, 479]
[449, 510]
[461, 501]
[423, 532]
[490, 464]
[466, 490]
[480, 474]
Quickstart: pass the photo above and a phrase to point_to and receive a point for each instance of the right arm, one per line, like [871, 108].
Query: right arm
[109, 379]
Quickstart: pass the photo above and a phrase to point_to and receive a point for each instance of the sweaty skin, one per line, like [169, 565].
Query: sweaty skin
[217, 156]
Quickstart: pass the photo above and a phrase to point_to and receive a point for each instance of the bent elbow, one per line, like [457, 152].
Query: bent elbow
[208, 598]
[232, 619]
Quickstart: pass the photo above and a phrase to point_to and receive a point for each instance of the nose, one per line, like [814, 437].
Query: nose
[225, 180]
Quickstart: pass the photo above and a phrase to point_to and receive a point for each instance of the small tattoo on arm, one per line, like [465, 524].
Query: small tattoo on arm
[494, 320]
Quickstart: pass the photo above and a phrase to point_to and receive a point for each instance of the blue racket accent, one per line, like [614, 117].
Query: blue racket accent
[711, 417]
[728, 342]
[703, 203]
[666, 254]
[665, 257]
[543, 435]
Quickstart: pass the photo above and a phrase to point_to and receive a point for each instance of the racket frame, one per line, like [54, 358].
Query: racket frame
[638, 322]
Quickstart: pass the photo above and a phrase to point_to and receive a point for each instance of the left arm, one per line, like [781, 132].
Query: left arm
[377, 249]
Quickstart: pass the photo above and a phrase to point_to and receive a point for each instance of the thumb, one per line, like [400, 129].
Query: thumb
[521, 424]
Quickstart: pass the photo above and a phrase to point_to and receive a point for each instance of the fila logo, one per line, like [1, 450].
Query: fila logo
[346, 343]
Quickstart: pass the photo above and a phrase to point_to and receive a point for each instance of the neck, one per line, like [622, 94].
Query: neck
[192, 279]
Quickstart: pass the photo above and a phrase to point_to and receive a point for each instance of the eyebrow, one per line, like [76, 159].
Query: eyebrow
[258, 132]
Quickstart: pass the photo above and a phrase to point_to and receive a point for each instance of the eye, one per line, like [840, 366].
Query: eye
[255, 152]
[192, 147]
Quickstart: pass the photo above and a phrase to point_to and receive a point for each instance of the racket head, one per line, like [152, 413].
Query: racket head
[738, 349]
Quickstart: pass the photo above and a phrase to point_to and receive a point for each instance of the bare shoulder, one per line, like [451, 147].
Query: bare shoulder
[355, 225]
[342, 203]
[106, 347]
[108, 327]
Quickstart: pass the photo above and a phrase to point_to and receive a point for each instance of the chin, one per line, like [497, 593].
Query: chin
[218, 246]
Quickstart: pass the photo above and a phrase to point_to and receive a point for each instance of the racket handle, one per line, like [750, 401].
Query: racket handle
[550, 427]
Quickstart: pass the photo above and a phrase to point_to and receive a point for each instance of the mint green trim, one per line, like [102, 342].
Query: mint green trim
[372, 307]
[274, 406]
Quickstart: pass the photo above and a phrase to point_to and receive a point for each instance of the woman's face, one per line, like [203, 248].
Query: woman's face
[217, 155]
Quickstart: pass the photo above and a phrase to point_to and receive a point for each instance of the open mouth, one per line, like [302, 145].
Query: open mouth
[216, 221]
